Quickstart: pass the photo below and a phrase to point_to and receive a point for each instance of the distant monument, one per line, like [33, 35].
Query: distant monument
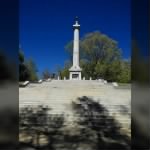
[75, 70]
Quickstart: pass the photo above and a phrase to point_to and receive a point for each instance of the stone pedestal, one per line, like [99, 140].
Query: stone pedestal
[75, 75]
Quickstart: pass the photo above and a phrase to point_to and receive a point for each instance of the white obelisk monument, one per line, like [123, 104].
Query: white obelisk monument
[75, 70]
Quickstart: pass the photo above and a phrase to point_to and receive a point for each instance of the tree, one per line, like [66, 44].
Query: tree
[125, 75]
[99, 47]
[27, 68]
[23, 70]
[46, 74]
[101, 69]
[96, 46]
[100, 57]
[65, 70]
[32, 70]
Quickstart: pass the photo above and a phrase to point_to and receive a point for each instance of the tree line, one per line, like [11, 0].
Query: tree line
[27, 68]
[100, 57]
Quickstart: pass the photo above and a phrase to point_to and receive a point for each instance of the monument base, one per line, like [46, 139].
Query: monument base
[75, 75]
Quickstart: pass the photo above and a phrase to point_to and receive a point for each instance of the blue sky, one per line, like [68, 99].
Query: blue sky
[46, 26]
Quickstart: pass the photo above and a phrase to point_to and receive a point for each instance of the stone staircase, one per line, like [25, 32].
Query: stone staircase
[59, 96]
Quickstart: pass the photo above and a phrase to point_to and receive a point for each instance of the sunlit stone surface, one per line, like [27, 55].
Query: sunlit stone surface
[59, 95]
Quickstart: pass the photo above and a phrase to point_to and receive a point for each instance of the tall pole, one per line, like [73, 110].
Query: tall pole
[76, 28]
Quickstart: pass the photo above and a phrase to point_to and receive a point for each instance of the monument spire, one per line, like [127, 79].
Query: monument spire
[75, 70]
[76, 19]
